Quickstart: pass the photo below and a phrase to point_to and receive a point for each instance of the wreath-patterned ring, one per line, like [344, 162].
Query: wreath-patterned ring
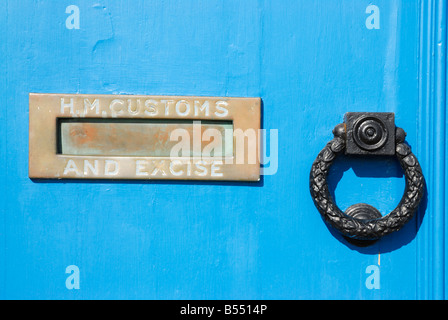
[366, 229]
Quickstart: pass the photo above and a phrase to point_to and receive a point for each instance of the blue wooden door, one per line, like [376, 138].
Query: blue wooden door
[310, 62]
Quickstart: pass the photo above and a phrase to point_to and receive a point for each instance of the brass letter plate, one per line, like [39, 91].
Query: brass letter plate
[75, 136]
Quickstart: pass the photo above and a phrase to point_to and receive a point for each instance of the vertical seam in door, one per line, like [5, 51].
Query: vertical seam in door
[439, 210]
[5, 143]
[432, 99]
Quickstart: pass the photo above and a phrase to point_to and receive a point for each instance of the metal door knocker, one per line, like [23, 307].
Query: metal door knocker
[364, 133]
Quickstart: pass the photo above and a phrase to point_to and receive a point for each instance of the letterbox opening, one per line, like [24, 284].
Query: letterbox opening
[144, 137]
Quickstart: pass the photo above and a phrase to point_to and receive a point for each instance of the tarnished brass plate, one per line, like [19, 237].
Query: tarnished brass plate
[73, 136]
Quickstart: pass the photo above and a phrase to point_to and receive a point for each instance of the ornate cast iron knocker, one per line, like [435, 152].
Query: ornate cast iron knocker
[367, 134]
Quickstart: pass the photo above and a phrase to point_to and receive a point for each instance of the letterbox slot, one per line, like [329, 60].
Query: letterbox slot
[144, 137]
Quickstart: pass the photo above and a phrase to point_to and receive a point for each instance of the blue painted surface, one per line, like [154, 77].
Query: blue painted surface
[309, 61]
